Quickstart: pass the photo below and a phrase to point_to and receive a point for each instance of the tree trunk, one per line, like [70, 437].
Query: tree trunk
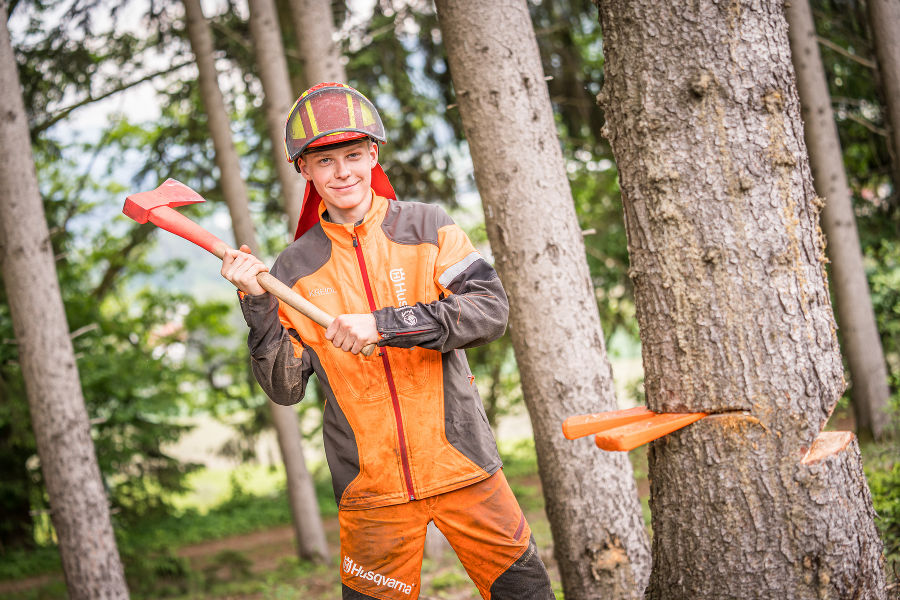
[320, 56]
[732, 301]
[78, 502]
[862, 345]
[599, 538]
[884, 18]
[276, 82]
[308, 528]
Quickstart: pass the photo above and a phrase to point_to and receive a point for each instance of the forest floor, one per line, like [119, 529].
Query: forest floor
[262, 565]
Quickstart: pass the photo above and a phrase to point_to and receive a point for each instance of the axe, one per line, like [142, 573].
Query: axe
[157, 206]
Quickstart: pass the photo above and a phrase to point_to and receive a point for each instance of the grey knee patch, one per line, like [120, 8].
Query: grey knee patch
[525, 578]
[348, 593]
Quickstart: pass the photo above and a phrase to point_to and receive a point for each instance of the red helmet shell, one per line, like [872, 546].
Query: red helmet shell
[330, 113]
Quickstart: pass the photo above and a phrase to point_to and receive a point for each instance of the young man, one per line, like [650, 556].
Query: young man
[406, 437]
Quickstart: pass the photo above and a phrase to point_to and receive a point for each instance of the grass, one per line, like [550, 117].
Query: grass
[252, 499]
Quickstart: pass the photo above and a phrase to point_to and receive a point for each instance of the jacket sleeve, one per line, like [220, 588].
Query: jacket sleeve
[472, 311]
[279, 363]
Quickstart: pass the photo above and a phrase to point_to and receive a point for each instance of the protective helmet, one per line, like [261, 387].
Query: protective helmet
[329, 113]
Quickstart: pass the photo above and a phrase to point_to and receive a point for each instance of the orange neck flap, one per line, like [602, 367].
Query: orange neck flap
[309, 214]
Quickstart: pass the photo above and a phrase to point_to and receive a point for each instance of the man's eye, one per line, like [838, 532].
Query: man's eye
[354, 155]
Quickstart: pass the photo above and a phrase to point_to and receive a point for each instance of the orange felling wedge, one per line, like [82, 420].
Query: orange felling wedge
[630, 436]
[582, 425]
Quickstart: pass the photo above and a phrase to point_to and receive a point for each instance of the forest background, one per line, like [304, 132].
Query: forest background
[114, 107]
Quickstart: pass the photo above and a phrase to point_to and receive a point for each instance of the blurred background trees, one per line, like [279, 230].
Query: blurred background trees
[114, 106]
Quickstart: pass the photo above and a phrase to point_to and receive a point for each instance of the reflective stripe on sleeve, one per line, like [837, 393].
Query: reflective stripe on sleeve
[453, 271]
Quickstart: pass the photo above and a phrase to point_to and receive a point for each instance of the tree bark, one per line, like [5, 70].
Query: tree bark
[78, 502]
[320, 56]
[884, 18]
[733, 307]
[599, 538]
[862, 344]
[276, 82]
[308, 528]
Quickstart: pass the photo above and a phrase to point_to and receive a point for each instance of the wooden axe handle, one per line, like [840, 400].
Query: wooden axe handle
[173, 221]
[275, 287]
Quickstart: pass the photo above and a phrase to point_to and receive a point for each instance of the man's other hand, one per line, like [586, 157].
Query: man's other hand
[353, 332]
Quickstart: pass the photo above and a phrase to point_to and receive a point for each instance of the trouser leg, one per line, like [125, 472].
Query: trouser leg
[488, 531]
[351, 594]
[525, 578]
[381, 551]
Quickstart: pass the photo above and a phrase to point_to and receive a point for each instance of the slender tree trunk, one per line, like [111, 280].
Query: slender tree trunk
[733, 307]
[591, 500]
[862, 345]
[320, 56]
[308, 528]
[884, 18]
[276, 82]
[78, 502]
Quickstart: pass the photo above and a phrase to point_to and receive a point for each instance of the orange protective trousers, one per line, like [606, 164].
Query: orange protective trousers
[381, 548]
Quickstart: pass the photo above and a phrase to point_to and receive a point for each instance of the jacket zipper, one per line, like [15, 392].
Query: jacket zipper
[395, 400]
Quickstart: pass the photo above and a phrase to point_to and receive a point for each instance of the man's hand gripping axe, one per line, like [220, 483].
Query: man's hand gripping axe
[157, 206]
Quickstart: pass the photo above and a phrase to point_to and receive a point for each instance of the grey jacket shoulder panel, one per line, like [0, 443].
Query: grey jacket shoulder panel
[304, 257]
[414, 222]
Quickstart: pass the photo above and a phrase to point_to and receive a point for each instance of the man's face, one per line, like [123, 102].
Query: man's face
[343, 177]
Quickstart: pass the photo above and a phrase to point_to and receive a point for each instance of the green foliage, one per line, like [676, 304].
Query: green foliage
[884, 280]
[158, 574]
[885, 487]
[882, 468]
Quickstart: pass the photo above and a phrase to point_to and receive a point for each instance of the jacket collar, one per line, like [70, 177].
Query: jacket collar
[342, 233]
[309, 213]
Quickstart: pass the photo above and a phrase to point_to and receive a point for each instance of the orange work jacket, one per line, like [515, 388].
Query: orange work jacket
[407, 422]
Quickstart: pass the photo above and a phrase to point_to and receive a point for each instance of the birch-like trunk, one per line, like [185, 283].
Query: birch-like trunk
[79, 507]
[599, 538]
[320, 56]
[279, 98]
[308, 528]
[884, 19]
[732, 301]
[862, 345]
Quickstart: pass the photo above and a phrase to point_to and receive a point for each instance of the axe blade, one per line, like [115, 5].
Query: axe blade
[171, 193]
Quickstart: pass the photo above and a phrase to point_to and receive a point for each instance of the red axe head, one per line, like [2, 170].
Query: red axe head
[171, 193]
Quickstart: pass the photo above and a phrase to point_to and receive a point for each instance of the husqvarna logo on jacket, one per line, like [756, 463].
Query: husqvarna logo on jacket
[398, 276]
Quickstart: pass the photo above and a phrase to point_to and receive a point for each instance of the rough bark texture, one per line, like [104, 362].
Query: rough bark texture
[884, 17]
[78, 505]
[591, 501]
[308, 527]
[273, 73]
[732, 302]
[861, 342]
[320, 56]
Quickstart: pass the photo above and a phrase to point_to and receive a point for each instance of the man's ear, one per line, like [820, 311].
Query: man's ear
[373, 152]
[300, 165]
